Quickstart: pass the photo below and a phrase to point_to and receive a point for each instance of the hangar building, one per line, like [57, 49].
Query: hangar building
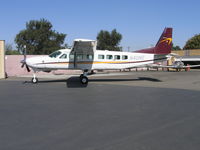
[191, 57]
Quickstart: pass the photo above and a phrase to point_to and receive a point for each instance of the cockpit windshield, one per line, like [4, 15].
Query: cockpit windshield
[55, 54]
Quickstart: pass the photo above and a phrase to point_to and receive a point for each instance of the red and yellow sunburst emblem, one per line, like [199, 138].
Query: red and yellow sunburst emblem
[168, 40]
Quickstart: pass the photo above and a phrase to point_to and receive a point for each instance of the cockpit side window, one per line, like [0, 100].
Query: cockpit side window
[55, 54]
[63, 56]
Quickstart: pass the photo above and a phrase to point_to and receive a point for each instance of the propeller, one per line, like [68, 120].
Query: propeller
[24, 60]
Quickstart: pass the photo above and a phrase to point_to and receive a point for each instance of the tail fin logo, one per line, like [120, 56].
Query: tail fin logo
[167, 40]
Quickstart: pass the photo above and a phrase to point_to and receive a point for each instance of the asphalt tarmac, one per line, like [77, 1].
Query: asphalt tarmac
[132, 111]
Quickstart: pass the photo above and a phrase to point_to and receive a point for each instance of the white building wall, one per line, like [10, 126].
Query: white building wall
[2, 59]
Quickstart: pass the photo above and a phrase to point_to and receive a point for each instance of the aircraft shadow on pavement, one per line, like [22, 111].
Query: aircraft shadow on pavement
[45, 81]
[116, 80]
[74, 82]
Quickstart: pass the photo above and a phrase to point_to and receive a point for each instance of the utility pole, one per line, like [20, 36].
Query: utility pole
[128, 48]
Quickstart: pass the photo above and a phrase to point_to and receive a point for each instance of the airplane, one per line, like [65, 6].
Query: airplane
[84, 56]
[178, 65]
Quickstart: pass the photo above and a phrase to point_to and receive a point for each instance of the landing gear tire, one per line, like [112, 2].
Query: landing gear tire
[34, 80]
[83, 79]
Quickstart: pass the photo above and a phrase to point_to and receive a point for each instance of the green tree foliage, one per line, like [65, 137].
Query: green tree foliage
[193, 43]
[109, 41]
[39, 38]
[8, 47]
[10, 51]
[175, 47]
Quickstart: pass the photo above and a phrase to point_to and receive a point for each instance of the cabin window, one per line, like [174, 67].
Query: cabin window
[109, 56]
[117, 57]
[89, 57]
[55, 54]
[64, 56]
[101, 56]
[124, 57]
[79, 57]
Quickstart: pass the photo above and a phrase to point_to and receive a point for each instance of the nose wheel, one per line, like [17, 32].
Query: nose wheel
[34, 80]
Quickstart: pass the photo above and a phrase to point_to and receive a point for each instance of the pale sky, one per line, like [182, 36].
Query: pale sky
[141, 22]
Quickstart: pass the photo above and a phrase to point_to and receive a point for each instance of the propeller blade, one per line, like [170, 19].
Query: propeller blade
[27, 68]
[24, 60]
[22, 65]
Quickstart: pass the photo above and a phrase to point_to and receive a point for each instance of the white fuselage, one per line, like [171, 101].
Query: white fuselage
[99, 60]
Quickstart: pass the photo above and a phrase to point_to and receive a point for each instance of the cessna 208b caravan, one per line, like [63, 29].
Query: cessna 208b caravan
[84, 56]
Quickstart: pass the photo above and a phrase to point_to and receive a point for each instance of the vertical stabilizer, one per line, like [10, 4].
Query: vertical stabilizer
[164, 44]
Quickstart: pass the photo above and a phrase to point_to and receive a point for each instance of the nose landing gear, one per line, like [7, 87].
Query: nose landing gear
[34, 80]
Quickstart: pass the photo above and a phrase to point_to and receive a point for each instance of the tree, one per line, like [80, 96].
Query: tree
[8, 47]
[9, 50]
[12, 52]
[39, 38]
[193, 43]
[175, 47]
[109, 41]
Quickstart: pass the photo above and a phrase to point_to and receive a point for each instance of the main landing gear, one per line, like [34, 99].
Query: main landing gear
[83, 77]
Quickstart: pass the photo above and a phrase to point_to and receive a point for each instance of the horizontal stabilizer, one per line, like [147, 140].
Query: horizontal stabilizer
[163, 46]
